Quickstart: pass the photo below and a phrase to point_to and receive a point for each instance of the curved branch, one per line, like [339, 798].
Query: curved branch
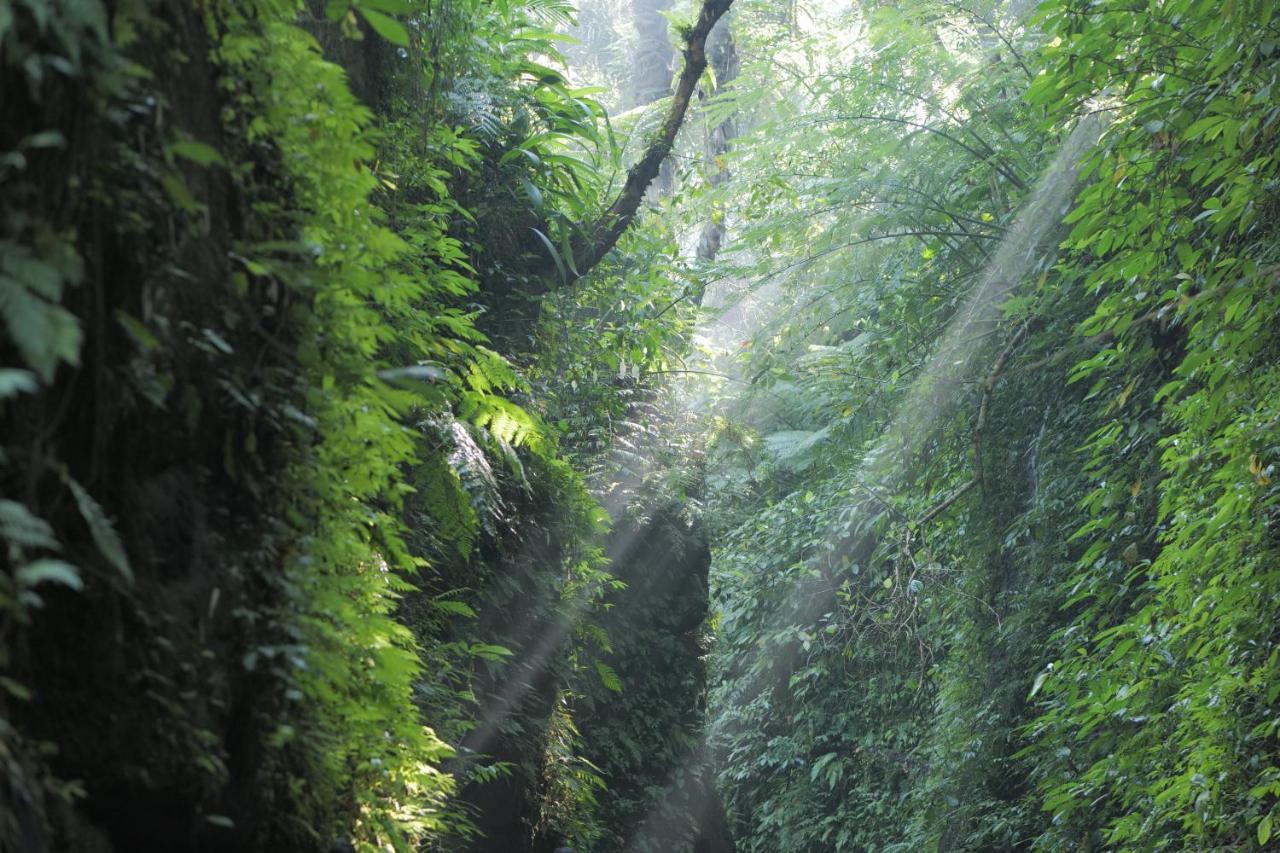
[601, 237]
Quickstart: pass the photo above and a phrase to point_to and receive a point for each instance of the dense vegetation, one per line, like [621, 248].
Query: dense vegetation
[661, 425]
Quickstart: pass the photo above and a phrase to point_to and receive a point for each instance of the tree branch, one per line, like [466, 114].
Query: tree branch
[601, 237]
[945, 504]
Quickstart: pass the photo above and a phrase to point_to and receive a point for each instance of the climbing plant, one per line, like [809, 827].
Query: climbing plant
[863, 439]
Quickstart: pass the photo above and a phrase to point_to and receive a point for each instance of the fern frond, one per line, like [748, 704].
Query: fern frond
[794, 450]
[100, 528]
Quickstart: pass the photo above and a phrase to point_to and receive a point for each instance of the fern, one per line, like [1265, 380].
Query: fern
[451, 513]
[506, 421]
[796, 450]
[558, 13]
[470, 464]
[608, 677]
[100, 528]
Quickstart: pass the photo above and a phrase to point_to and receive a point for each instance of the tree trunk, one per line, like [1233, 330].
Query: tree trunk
[723, 56]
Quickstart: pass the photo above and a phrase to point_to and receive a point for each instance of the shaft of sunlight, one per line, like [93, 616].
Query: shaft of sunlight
[1024, 246]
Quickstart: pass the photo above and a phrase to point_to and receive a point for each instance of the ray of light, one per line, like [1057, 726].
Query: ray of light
[941, 383]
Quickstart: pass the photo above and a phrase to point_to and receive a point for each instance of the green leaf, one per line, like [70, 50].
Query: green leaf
[1186, 255]
[197, 152]
[44, 139]
[52, 571]
[391, 7]
[820, 764]
[414, 373]
[141, 335]
[14, 382]
[488, 651]
[180, 193]
[521, 152]
[608, 677]
[1264, 830]
[45, 334]
[15, 689]
[457, 608]
[19, 527]
[555, 254]
[100, 527]
[533, 193]
[1039, 682]
[387, 27]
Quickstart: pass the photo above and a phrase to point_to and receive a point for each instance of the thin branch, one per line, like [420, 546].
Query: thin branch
[821, 253]
[1004, 170]
[943, 505]
[1017, 57]
[712, 373]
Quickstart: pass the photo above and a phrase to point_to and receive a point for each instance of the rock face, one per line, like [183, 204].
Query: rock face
[649, 740]
[158, 664]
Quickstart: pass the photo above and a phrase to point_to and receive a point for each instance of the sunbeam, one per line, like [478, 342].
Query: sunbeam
[1023, 248]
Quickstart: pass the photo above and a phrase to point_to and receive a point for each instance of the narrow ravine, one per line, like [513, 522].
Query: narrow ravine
[639, 426]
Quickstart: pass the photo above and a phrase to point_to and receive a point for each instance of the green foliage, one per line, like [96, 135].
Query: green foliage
[46, 51]
[1078, 657]
[44, 333]
[300, 433]
[1158, 712]
[542, 143]
[571, 783]
[327, 330]
[357, 729]
[869, 200]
